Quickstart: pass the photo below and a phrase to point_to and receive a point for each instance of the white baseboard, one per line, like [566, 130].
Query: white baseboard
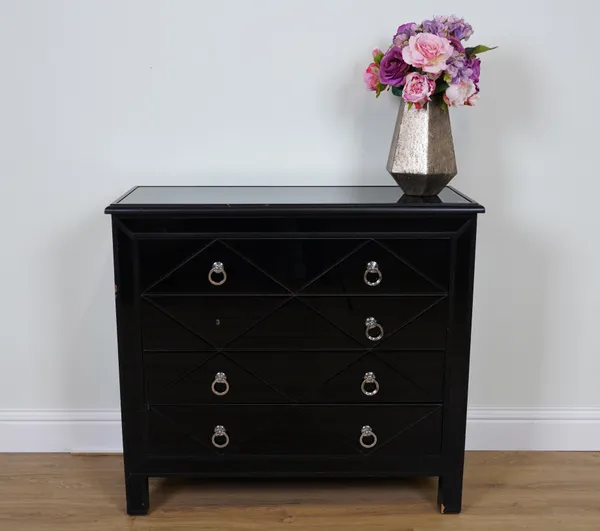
[559, 429]
[60, 430]
[537, 429]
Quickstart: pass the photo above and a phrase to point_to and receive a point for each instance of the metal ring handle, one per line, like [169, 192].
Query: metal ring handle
[217, 268]
[364, 433]
[372, 324]
[220, 432]
[220, 378]
[373, 269]
[369, 378]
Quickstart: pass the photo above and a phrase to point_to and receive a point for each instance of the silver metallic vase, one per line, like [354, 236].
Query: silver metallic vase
[422, 159]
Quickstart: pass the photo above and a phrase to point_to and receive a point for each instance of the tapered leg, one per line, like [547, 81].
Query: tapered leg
[136, 489]
[449, 496]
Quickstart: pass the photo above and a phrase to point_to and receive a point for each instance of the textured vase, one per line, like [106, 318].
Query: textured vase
[422, 159]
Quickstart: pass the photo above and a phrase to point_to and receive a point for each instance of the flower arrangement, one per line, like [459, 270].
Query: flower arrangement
[428, 59]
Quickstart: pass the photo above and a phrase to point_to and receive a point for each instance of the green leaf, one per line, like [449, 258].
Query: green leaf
[380, 88]
[441, 87]
[478, 49]
[410, 105]
[444, 106]
[377, 59]
[397, 91]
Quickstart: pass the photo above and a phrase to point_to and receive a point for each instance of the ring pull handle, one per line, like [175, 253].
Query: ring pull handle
[217, 269]
[365, 434]
[369, 379]
[220, 433]
[373, 326]
[373, 269]
[220, 379]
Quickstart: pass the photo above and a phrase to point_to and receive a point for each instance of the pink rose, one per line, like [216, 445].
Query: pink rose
[418, 89]
[372, 77]
[428, 52]
[461, 93]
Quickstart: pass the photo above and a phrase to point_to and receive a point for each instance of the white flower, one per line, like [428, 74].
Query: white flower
[461, 93]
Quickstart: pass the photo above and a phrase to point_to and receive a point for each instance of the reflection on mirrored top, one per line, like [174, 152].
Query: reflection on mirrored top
[286, 195]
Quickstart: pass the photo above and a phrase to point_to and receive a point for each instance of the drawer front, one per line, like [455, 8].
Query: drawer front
[299, 266]
[317, 322]
[188, 266]
[332, 377]
[182, 431]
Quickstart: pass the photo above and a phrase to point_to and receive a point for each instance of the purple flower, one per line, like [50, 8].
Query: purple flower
[457, 27]
[475, 65]
[405, 32]
[458, 68]
[393, 69]
[456, 44]
[448, 26]
[461, 68]
[435, 27]
[408, 27]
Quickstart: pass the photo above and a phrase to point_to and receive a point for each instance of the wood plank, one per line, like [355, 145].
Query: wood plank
[503, 492]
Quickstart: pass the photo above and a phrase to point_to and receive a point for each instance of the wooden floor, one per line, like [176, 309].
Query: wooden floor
[503, 491]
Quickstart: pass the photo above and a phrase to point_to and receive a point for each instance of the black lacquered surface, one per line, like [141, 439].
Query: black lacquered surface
[294, 430]
[181, 322]
[295, 266]
[294, 293]
[287, 328]
[292, 377]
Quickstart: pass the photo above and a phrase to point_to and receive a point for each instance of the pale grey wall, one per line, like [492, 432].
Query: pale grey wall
[97, 96]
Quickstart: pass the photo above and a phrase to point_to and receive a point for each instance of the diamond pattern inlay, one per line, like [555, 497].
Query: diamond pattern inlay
[296, 375]
[393, 314]
[274, 322]
[218, 320]
[187, 377]
[191, 276]
[294, 325]
[395, 384]
[406, 434]
[294, 430]
[296, 263]
[429, 258]
[398, 275]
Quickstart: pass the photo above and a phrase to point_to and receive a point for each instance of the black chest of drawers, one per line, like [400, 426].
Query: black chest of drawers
[289, 332]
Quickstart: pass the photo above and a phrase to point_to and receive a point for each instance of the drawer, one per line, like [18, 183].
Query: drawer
[184, 431]
[301, 266]
[294, 377]
[196, 322]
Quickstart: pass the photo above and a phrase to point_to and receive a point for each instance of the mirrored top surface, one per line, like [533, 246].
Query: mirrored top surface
[285, 195]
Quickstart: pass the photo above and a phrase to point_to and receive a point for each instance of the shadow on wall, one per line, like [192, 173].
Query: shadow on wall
[87, 330]
[375, 130]
[512, 283]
